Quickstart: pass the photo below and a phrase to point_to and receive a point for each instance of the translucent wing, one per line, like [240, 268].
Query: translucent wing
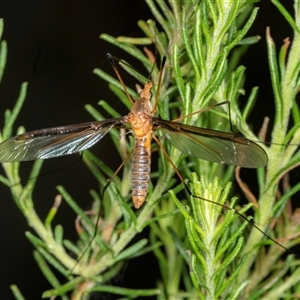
[56, 141]
[213, 145]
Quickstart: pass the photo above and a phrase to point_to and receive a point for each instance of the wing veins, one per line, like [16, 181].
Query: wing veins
[53, 141]
[213, 145]
[205, 132]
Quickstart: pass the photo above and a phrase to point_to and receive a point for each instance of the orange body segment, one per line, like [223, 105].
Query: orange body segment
[140, 119]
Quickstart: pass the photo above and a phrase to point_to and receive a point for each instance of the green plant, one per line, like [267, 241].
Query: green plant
[218, 264]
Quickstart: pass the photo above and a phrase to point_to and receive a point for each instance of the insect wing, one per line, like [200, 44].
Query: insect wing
[55, 141]
[213, 145]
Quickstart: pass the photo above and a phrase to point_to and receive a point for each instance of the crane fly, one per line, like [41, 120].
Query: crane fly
[208, 144]
[211, 145]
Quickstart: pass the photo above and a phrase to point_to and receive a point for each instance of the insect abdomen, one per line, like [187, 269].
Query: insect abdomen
[140, 170]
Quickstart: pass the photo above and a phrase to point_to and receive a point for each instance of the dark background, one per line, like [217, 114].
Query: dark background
[55, 45]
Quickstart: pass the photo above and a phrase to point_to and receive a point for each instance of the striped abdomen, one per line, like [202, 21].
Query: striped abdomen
[140, 169]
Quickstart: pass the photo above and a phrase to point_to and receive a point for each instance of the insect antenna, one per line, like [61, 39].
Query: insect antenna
[113, 64]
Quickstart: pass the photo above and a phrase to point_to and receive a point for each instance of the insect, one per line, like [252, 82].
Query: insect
[211, 145]
[220, 147]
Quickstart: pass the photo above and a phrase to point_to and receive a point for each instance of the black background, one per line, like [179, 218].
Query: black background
[55, 45]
